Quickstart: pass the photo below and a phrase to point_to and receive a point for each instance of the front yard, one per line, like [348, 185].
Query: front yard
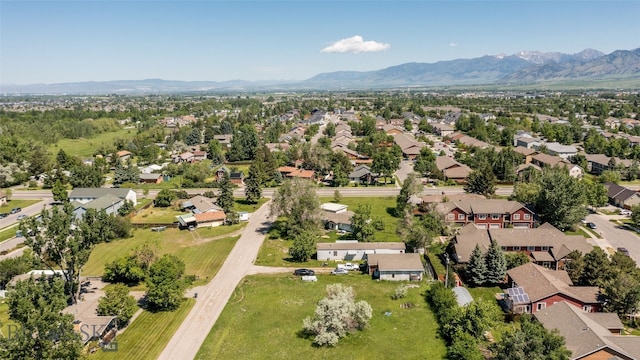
[263, 319]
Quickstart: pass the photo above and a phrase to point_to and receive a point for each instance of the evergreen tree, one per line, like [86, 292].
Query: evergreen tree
[561, 198]
[481, 181]
[411, 186]
[226, 200]
[253, 190]
[496, 265]
[476, 267]
[59, 192]
[596, 270]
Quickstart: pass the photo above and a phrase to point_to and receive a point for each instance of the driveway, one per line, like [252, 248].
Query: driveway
[213, 297]
[616, 236]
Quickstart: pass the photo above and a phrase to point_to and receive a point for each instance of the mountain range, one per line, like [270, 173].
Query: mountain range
[520, 69]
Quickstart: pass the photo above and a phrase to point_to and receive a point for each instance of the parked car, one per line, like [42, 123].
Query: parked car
[623, 250]
[339, 271]
[304, 272]
[21, 217]
[15, 210]
[591, 225]
[3, 215]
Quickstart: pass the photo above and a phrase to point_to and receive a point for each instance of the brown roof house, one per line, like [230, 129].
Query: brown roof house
[622, 196]
[452, 169]
[533, 288]
[395, 267]
[410, 146]
[487, 213]
[590, 336]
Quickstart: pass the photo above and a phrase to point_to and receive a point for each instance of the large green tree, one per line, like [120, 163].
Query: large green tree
[303, 247]
[530, 341]
[166, 283]
[476, 267]
[481, 181]
[496, 265]
[225, 198]
[410, 187]
[117, 302]
[364, 224]
[561, 199]
[297, 201]
[43, 331]
[253, 183]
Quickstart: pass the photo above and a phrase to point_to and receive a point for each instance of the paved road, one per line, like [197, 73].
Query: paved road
[616, 236]
[406, 167]
[187, 340]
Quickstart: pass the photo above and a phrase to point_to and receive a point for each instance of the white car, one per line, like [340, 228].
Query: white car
[350, 266]
[339, 271]
[625, 212]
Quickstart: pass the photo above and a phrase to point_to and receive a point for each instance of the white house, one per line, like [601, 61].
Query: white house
[353, 250]
[395, 267]
[85, 195]
[563, 151]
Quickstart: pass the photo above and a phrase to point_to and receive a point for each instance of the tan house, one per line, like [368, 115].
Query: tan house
[395, 267]
[590, 336]
[3, 199]
[452, 169]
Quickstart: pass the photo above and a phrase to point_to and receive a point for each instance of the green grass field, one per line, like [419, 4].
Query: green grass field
[17, 203]
[86, 147]
[242, 205]
[157, 215]
[380, 207]
[4, 319]
[202, 258]
[8, 233]
[147, 336]
[263, 318]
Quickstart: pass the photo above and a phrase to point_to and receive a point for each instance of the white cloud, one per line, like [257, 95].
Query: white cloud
[453, 44]
[355, 45]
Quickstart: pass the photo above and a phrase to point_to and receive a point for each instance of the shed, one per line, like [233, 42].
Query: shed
[395, 267]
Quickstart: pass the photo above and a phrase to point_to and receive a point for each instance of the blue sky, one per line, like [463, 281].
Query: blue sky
[68, 41]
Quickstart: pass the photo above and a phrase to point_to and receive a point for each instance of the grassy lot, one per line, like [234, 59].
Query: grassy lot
[4, 318]
[8, 233]
[485, 293]
[142, 202]
[263, 318]
[241, 204]
[17, 203]
[147, 336]
[580, 231]
[380, 207]
[86, 147]
[157, 215]
[202, 258]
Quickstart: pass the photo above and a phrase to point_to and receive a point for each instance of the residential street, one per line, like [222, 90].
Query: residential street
[187, 340]
[616, 236]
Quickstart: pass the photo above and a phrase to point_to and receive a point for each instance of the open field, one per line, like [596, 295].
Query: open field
[17, 203]
[263, 318]
[147, 336]
[157, 215]
[86, 147]
[202, 258]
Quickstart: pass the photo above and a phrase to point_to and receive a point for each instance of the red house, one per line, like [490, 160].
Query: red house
[487, 213]
[532, 288]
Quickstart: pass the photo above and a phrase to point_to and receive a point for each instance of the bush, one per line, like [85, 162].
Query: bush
[400, 292]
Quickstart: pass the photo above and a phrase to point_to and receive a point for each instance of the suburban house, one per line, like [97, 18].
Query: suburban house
[199, 155]
[563, 151]
[361, 174]
[468, 141]
[526, 152]
[85, 195]
[300, 173]
[200, 204]
[151, 168]
[390, 129]
[527, 142]
[597, 163]
[124, 155]
[545, 245]
[590, 336]
[545, 160]
[212, 218]
[487, 213]
[539, 288]
[442, 129]
[353, 250]
[621, 196]
[3, 199]
[109, 203]
[224, 140]
[186, 156]
[153, 178]
[410, 147]
[336, 217]
[522, 169]
[237, 178]
[396, 267]
[452, 169]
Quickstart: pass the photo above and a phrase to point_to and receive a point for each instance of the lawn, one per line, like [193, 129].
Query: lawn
[157, 215]
[4, 319]
[241, 204]
[17, 204]
[202, 258]
[263, 319]
[380, 207]
[147, 336]
[86, 147]
[8, 233]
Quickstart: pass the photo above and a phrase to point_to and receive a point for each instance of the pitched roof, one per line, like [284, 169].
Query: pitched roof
[338, 218]
[360, 171]
[482, 206]
[445, 162]
[546, 159]
[98, 192]
[620, 193]
[540, 283]
[361, 246]
[210, 216]
[203, 203]
[524, 151]
[102, 202]
[584, 334]
[396, 262]
[152, 176]
[405, 142]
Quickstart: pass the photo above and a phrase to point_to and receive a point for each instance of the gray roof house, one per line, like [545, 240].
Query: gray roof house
[622, 196]
[109, 203]
[590, 335]
[395, 267]
[85, 195]
[353, 250]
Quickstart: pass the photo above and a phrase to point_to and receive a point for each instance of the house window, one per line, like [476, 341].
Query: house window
[527, 216]
[460, 216]
[586, 308]
[516, 216]
[541, 306]
[531, 248]
[482, 217]
[504, 248]
[545, 248]
[495, 216]
[450, 216]
[516, 248]
[335, 253]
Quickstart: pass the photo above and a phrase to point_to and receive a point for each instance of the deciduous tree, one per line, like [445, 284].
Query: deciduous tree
[304, 245]
[297, 201]
[117, 302]
[166, 283]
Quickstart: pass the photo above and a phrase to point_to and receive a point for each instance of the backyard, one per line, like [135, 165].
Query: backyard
[86, 147]
[263, 319]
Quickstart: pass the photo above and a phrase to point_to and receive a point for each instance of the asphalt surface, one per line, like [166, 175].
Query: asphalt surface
[616, 236]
